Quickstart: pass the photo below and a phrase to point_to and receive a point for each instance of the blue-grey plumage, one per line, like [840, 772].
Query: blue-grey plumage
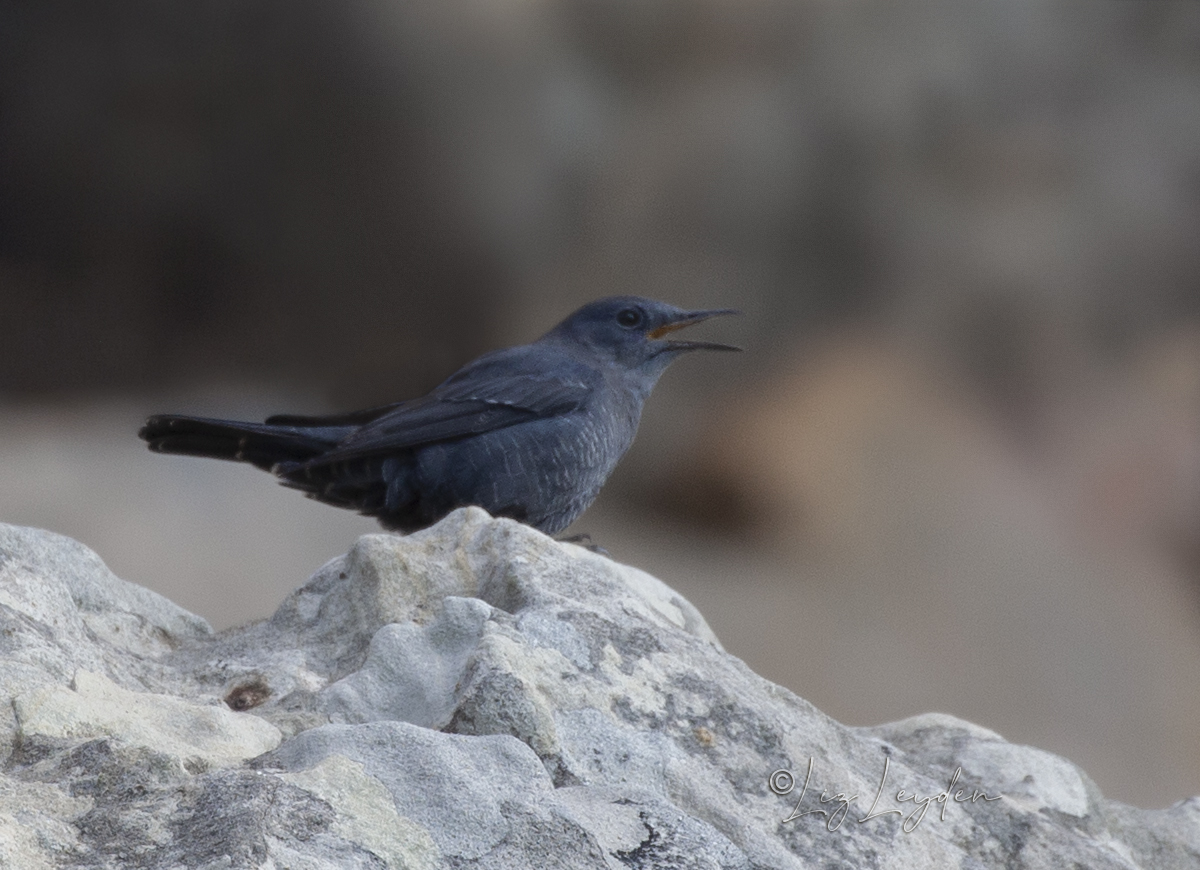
[529, 432]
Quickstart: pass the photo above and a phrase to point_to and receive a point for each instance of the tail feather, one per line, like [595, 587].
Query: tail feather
[361, 484]
[260, 444]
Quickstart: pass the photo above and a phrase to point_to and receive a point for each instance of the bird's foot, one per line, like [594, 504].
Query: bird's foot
[584, 540]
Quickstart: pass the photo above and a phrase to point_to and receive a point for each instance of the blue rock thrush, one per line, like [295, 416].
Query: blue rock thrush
[530, 432]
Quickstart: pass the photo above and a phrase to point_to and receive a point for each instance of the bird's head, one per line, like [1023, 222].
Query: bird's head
[632, 332]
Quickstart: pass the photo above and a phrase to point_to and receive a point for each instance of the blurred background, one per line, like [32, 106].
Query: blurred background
[958, 467]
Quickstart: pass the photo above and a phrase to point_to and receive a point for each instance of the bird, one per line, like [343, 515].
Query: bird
[530, 432]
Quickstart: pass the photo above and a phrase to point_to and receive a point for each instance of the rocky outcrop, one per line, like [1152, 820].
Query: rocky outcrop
[478, 695]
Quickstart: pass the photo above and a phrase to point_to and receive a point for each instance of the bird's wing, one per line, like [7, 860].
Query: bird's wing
[353, 418]
[490, 394]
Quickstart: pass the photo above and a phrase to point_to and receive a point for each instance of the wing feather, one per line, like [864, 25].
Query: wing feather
[353, 418]
[496, 392]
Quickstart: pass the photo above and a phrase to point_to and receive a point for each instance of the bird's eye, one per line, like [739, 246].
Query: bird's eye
[629, 318]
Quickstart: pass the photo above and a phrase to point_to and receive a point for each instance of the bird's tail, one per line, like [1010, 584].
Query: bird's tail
[262, 445]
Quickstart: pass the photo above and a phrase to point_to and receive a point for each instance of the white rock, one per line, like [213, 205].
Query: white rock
[478, 695]
[367, 814]
[199, 736]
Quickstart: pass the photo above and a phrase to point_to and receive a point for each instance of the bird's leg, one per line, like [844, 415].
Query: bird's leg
[580, 539]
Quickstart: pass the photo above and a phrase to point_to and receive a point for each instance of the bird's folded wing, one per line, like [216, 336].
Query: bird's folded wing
[353, 418]
[459, 409]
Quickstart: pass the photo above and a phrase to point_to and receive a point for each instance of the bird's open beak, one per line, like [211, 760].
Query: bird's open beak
[687, 319]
